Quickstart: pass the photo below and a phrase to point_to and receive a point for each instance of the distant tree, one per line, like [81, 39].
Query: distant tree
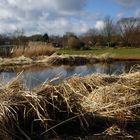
[35, 37]
[129, 29]
[136, 36]
[70, 34]
[91, 32]
[101, 41]
[75, 43]
[90, 37]
[66, 38]
[45, 38]
[56, 40]
[109, 29]
[3, 39]
[19, 38]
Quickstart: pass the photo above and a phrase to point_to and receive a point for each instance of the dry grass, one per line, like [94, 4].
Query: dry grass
[74, 105]
[85, 59]
[34, 49]
[12, 63]
[119, 100]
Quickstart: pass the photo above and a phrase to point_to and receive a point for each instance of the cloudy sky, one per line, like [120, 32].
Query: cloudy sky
[60, 16]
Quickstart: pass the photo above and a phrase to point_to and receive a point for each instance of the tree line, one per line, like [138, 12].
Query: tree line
[122, 33]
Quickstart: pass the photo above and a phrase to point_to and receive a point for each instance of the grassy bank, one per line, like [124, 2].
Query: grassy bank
[69, 57]
[92, 104]
[24, 62]
[117, 53]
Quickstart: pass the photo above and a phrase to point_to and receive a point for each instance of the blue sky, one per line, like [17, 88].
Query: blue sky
[113, 7]
[60, 16]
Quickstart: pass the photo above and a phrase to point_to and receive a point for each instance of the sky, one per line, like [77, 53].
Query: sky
[56, 17]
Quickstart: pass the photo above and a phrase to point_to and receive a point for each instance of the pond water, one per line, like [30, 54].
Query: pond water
[37, 75]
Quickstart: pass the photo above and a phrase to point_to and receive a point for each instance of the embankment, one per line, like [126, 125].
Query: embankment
[24, 62]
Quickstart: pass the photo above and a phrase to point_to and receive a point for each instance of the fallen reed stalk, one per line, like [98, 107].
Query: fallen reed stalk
[76, 106]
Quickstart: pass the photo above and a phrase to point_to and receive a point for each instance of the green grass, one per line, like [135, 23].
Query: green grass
[119, 52]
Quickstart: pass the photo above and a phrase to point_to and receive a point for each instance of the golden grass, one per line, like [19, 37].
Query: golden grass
[15, 62]
[117, 100]
[34, 49]
[75, 104]
[85, 59]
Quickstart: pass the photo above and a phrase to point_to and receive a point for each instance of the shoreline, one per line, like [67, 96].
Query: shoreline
[54, 60]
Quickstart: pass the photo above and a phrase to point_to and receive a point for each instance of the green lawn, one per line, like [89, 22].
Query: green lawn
[119, 52]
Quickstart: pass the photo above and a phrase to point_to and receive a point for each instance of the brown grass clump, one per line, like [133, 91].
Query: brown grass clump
[72, 60]
[34, 49]
[92, 103]
[119, 100]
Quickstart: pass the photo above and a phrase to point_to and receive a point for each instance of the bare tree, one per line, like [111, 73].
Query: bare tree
[19, 38]
[90, 37]
[129, 30]
[91, 32]
[109, 29]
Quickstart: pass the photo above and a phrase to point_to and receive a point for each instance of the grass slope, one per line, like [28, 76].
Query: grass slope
[119, 52]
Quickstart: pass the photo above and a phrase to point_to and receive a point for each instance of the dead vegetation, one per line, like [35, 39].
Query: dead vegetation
[34, 50]
[79, 105]
[84, 59]
[11, 63]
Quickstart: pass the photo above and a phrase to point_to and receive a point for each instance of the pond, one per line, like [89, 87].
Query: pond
[35, 76]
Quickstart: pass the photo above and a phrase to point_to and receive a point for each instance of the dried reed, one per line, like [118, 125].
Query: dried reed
[70, 107]
[34, 50]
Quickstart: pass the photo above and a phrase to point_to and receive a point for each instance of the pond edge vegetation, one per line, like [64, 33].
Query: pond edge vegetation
[7, 64]
[78, 106]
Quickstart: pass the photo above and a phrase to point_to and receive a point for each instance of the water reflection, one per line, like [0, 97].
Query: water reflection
[37, 76]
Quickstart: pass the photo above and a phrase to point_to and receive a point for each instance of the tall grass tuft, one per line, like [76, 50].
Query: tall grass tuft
[34, 49]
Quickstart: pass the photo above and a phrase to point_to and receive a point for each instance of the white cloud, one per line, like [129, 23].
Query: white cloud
[4, 14]
[137, 13]
[51, 16]
[128, 3]
[39, 16]
[7, 28]
[99, 25]
[120, 15]
[12, 2]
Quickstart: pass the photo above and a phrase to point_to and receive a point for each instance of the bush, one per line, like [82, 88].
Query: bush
[75, 43]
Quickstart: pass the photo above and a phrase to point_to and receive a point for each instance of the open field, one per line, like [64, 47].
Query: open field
[104, 104]
[118, 53]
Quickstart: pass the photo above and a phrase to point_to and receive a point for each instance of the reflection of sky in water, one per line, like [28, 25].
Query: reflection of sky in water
[34, 78]
[7, 76]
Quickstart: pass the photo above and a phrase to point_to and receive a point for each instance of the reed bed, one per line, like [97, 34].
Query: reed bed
[76, 106]
[85, 59]
[34, 50]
